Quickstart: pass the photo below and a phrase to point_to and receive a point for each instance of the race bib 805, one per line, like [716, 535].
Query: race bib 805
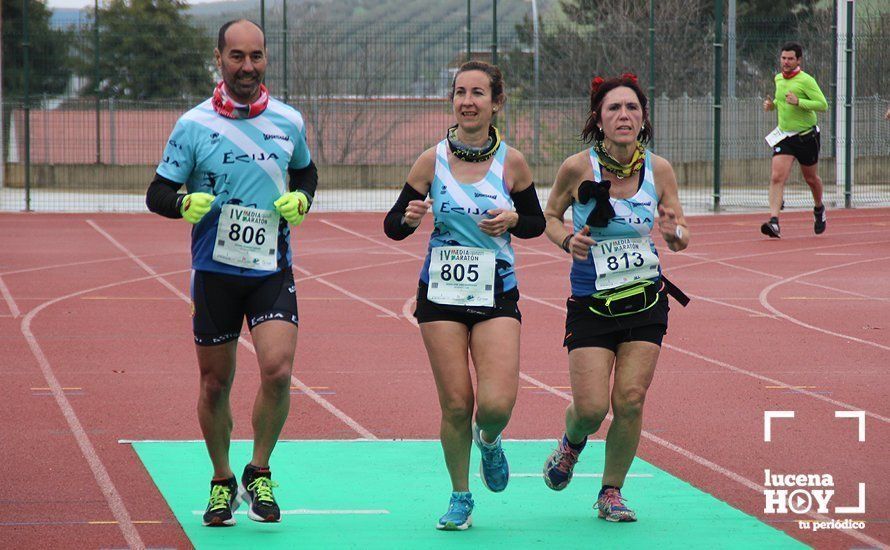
[461, 276]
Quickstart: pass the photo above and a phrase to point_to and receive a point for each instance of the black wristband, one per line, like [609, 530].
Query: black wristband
[565, 242]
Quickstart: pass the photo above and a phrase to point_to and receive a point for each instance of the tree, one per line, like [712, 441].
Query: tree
[49, 69]
[148, 49]
[608, 37]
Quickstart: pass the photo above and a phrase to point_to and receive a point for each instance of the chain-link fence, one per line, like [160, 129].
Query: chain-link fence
[374, 96]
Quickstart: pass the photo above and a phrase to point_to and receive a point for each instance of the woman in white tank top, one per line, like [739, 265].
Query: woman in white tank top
[481, 194]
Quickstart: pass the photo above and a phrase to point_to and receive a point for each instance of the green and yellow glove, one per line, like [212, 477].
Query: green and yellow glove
[195, 205]
[293, 207]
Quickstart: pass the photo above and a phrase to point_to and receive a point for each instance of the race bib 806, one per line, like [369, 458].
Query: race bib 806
[247, 237]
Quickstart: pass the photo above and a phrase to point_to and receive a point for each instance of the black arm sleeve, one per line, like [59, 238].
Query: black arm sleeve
[304, 179]
[393, 226]
[531, 217]
[162, 197]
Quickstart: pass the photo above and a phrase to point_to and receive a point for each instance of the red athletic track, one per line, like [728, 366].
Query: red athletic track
[96, 302]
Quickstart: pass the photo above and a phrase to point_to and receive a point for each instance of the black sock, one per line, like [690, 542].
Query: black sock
[605, 487]
[575, 446]
[819, 209]
[774, 219]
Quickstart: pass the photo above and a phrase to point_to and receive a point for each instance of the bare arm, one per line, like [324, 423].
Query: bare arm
[420, 178]
[561, 194]
[671, 221]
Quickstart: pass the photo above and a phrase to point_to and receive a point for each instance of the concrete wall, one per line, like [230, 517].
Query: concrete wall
[92, 177]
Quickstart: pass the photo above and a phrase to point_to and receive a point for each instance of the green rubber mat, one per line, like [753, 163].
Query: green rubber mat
[389, 494]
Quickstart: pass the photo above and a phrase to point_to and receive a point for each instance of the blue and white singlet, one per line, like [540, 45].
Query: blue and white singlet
[634, 218]
[241, 162]
[459, 207]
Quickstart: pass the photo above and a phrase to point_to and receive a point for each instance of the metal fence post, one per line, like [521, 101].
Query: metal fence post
[26, 48]
[97, 76]
[848, 107]
[718, 84]
[652, 66]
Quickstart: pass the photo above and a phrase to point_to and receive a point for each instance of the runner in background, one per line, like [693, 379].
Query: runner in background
[796, 101]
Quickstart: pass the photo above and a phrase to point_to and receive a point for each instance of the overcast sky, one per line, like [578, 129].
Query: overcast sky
[52, 4]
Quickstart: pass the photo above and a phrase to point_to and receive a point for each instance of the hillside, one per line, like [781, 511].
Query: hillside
[398, 16]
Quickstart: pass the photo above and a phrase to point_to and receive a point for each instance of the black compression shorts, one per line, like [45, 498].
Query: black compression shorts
[220, 303]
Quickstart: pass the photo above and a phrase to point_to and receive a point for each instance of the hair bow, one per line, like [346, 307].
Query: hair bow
[596, 83]
[603, 211]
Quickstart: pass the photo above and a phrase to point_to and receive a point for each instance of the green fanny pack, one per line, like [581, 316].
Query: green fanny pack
[626, 299]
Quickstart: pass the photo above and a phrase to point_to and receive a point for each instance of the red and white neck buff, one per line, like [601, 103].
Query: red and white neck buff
[792, 74]
[224, 105]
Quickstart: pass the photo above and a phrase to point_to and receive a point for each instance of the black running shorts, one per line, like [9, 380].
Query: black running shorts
[220, 303]
[505, 305]
[586, 329]
[804, 147]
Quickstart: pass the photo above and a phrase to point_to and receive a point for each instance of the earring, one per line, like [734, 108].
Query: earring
[642, 126]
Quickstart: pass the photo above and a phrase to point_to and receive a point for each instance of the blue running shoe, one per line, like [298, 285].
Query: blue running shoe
[611, 506]
[494, 470]
[560, 465]
[459, 516]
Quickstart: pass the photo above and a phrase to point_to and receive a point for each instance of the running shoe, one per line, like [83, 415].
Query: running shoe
[494, 470]
[223, 503]
[459, 516]
[256, 485]
[771, 228]
[821, 219]
[611, 506]
[560, 465]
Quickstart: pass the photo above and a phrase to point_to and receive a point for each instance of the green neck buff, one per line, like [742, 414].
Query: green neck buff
[469, 153]
[617, 168]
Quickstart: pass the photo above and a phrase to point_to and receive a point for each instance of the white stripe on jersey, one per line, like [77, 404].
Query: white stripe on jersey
[461, 197]
[266, 127]
[287, 112]
[210, 119]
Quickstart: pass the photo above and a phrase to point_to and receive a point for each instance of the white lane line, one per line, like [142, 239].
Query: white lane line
[100, 473]
[314, 512]
[786, 239]
[655, 439]
[776, 382]
[349, 269]
[10, 302]
[722, 261]
[76, 264]
[346, 292]
[764, 301]
[575, 475]
[327, 405]
[408, 307]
